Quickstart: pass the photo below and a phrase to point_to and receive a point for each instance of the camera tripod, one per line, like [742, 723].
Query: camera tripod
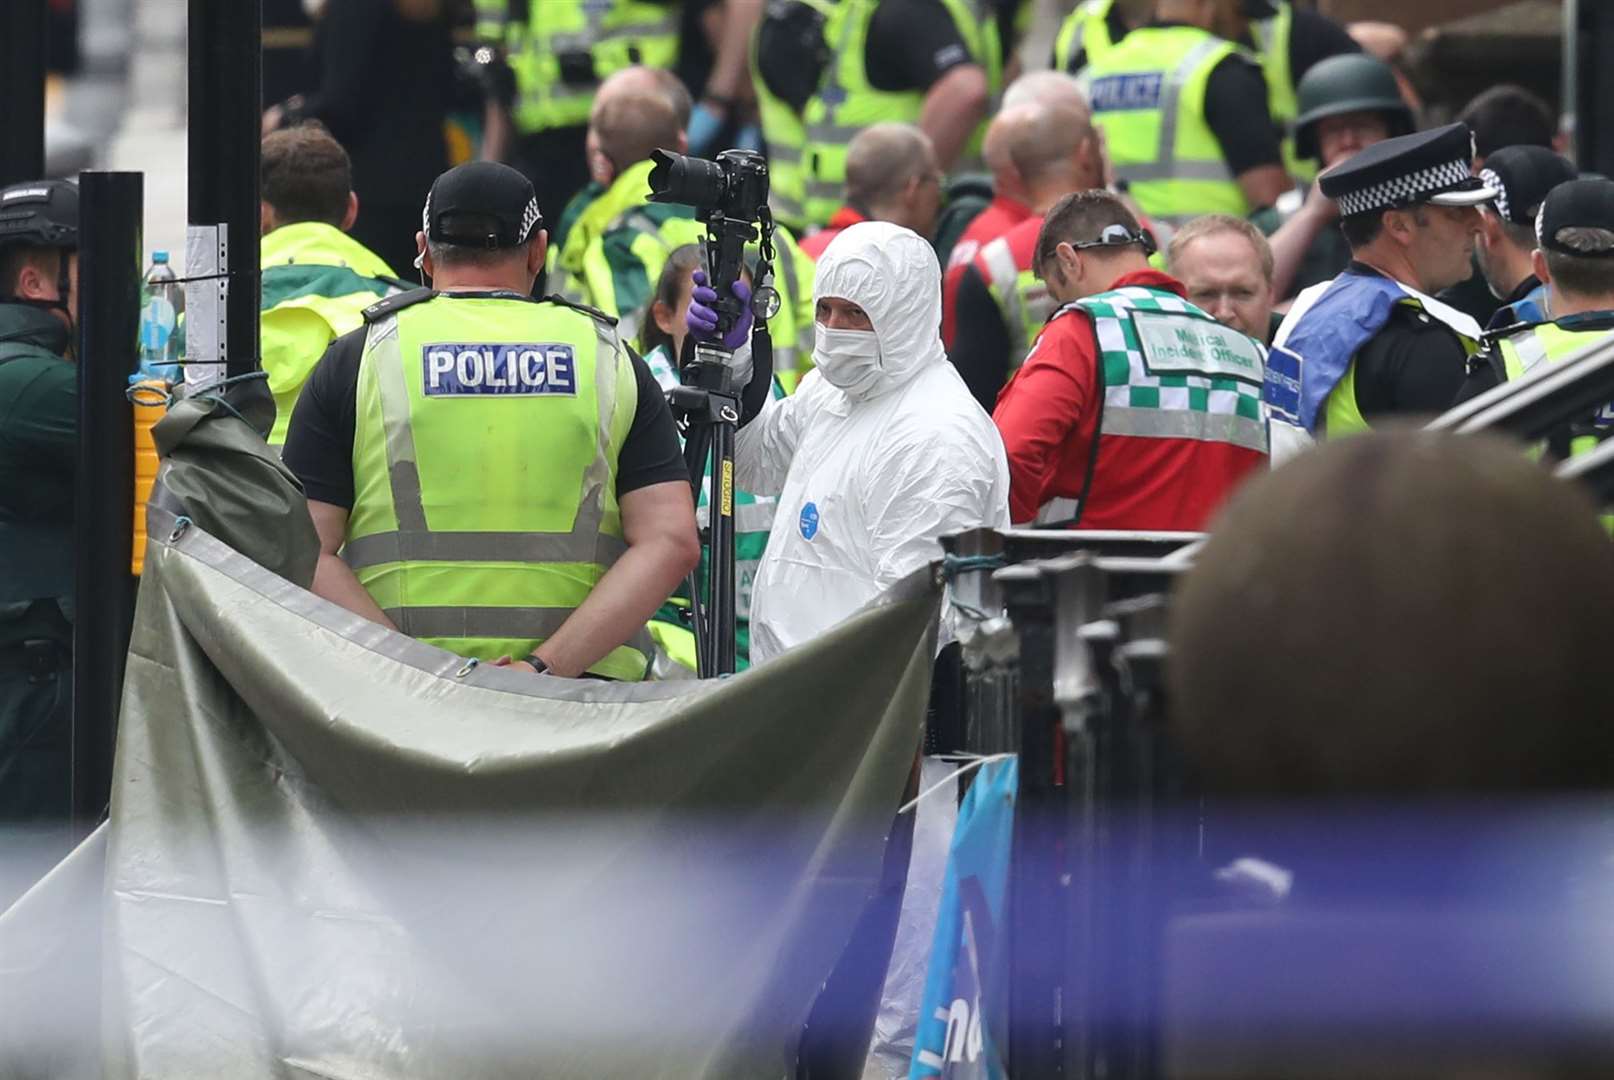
[730, 195]
[710, 410]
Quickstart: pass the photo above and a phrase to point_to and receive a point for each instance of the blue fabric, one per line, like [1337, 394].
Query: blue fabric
[1531, 309]
[1281, 388]
[1351, 310]
[967, 964]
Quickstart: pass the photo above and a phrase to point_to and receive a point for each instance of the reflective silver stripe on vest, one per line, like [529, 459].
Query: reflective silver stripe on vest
[1164, 424]
[1077, 37]
[785, 355]
[414, 538]
[595, 33]
[1058, 510]
[784, 207]
[1531, 350]
[1165, 165]
[592, 34]
[1006, 282]
[520, 623]
[826, 130]
[480, 622]
[381, 548]
[1185, 424]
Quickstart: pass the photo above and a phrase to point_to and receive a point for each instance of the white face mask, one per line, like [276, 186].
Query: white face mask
[848, 359]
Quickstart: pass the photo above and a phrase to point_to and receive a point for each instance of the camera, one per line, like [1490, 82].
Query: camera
[735, 185]
[731, 196]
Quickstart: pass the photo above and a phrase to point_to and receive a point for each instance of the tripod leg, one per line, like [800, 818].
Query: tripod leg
[697, 447]
[720, 514]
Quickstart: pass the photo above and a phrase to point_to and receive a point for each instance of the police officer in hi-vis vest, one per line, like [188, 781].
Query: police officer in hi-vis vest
[1287, 43]
[1374, 342]
[494, 475]
[1575, 261]
[1185, 115]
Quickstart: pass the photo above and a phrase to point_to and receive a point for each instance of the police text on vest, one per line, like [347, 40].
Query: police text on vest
[460, 370]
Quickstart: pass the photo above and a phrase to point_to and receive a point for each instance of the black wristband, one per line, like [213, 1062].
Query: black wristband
[539, 665]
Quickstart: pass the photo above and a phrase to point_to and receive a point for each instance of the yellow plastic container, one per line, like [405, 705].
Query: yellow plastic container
[150, 404]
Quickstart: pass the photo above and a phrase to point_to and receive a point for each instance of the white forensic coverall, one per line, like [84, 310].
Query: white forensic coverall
[867, 481]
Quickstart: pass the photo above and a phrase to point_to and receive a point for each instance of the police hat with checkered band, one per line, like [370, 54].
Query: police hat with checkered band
[481, 204]
[1424, 167]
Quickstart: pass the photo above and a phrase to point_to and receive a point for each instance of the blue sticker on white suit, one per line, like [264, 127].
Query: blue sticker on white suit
[809, 521]
[474, 369]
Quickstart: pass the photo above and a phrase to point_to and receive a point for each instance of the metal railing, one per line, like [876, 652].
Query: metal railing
[1063, 644]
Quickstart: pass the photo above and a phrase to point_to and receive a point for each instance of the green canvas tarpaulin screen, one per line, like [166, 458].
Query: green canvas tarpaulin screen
[335, 852]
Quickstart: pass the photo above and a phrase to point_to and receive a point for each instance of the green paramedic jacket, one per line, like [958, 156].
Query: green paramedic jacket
[317, 281]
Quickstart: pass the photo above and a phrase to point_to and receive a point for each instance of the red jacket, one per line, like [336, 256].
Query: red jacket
[998, 218]
[843, 219]
[1048, 413]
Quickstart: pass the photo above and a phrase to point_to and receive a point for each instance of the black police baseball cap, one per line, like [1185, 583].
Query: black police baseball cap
[1522, 177]
[481, 204]
[1425, 167]
[1577, 218]
[1259, 9]
[40, 213]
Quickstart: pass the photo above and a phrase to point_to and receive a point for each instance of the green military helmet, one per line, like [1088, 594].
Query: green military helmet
[1352, 82]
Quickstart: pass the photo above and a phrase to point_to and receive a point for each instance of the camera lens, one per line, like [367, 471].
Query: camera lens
[692, 181]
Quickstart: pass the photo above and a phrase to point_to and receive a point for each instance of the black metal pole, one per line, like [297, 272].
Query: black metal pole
[1036, 929]
[720, 514]
[22, 89]
[224, 61]
[1589, 39]
[110, 208]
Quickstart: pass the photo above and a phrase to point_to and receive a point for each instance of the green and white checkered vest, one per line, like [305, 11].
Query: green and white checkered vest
[1170, 371]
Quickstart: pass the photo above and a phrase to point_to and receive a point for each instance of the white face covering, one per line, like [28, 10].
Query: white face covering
[848, 359]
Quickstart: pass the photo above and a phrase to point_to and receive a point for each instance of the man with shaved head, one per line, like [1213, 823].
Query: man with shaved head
[612, 241]
[602, 260]
[1001, 304]
[1011, 203]
[891, 175]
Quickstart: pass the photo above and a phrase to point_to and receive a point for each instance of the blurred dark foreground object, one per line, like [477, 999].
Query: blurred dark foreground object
[1387, 676]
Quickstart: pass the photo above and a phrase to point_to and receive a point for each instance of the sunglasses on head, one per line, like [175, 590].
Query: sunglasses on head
[1118, 236]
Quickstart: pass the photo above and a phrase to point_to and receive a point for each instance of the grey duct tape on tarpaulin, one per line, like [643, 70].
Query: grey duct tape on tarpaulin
[330, 856]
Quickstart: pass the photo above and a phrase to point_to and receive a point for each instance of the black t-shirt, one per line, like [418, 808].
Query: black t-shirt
[319, 444]
[912, 44]
[980, 349]
[1237, 114]
[1414, 364]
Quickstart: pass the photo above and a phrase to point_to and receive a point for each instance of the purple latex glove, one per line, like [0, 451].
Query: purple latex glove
[702, 316]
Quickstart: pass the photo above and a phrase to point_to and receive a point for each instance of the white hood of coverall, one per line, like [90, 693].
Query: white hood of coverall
[866, 484]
